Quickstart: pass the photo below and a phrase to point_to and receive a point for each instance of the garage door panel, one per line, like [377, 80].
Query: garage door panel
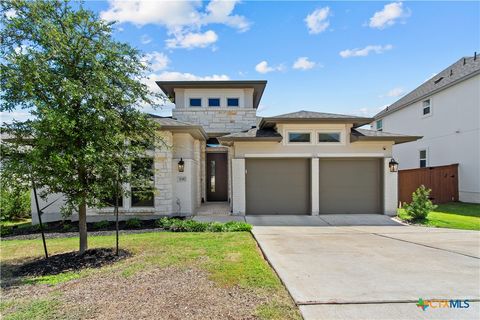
[278, 186]
[350, 186]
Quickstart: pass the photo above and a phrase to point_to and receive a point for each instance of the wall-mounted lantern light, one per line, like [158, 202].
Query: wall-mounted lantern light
[181, 165]
[393, 165]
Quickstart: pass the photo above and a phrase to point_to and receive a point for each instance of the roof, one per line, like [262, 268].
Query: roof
[171, 124]
[372, 135]
[253, 134]
[461, 70]
[258, 86]
[312, 116]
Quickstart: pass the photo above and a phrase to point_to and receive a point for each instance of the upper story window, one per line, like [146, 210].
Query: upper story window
[426, 106]
[233, 102]
[299, 137]
[379, 125]
[329, 137]
[214, 102]
[195, 102]
[423, 158]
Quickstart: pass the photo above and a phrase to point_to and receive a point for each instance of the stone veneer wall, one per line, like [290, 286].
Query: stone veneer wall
[163, 176]
[218, 120]
[198, 172]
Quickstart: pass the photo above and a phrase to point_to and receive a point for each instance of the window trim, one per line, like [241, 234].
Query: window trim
[420, 158]
[190, 102]
[298, 143]
[219, 102]
[226, 102]
[342, 137]
[381, 125]
[430, 106]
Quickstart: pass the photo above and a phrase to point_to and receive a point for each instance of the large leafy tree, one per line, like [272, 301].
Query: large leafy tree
[60, 62]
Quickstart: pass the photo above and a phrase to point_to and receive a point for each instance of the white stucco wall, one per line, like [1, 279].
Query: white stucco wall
[451, 134]
[238, 186]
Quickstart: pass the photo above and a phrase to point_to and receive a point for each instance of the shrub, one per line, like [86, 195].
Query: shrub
[5, 231]
[14, 204]
[234, 226]
[421, 205]
[101, 224]
[67, 227]
[166, 222]
[216, 227]
[178, 225]
[133, 223]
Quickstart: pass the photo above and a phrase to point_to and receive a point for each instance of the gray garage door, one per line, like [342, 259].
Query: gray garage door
[350, 186]
[278, 186]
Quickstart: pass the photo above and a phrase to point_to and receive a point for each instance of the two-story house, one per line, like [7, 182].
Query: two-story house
[217, 150]
[445, 111]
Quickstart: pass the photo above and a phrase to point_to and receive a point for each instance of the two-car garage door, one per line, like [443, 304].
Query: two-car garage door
[283, 186]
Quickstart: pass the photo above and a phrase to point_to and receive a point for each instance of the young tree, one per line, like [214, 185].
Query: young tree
[81, 88]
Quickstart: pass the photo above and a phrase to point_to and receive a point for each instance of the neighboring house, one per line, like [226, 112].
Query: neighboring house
[445, 110]
[304, 162]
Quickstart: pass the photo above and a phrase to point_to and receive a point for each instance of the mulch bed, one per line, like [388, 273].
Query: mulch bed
[54, 235]
[70, 261]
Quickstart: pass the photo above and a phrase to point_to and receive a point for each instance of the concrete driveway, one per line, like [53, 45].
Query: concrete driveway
[370, 267]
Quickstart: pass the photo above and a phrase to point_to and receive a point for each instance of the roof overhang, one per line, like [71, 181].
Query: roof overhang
[395, 139]
[256, 139]
[195, 131]
[258, 86]
[356, 121]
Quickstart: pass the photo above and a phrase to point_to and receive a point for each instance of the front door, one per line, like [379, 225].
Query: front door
[217, 177]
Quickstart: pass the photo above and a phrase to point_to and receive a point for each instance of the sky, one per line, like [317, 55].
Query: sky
[339, 57]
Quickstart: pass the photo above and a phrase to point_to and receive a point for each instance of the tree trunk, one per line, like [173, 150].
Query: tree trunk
[82, 226]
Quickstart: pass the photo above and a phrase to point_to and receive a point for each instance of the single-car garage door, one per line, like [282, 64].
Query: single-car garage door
[278, 186]
[350, 185]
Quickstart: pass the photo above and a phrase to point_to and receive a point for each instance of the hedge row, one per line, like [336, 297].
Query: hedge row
[178, 225]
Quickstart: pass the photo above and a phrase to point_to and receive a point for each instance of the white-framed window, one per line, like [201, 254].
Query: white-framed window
[379, 125]
[214, 102]
[426, 107]
[299, 137]
[233, 102]
[195, 102]
[329, 137]
[423, 158]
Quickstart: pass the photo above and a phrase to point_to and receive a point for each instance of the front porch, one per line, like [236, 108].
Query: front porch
[216, 212]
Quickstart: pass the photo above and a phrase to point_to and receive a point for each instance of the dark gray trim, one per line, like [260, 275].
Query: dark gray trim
[257, 85]
[271, 122]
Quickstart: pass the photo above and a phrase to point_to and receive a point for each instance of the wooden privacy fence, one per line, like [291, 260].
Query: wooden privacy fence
[443, 180]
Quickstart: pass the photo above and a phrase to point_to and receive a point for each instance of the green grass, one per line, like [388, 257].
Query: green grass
[454, 215]
[230, 259]
[18, 223]
[34, 310]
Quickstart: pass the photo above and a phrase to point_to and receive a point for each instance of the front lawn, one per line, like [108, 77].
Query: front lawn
[455, 215]
[170, 275]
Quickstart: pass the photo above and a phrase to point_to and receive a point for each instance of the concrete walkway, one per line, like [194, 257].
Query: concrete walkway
[374, 270]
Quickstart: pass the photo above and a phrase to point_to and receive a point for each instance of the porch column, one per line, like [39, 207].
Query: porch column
[238, 186]
[390, 189]
[315, 188]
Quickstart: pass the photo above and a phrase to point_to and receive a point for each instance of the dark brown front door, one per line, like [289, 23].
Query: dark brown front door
[217, 177]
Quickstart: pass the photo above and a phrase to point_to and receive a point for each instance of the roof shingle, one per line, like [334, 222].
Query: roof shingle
[462, 69]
